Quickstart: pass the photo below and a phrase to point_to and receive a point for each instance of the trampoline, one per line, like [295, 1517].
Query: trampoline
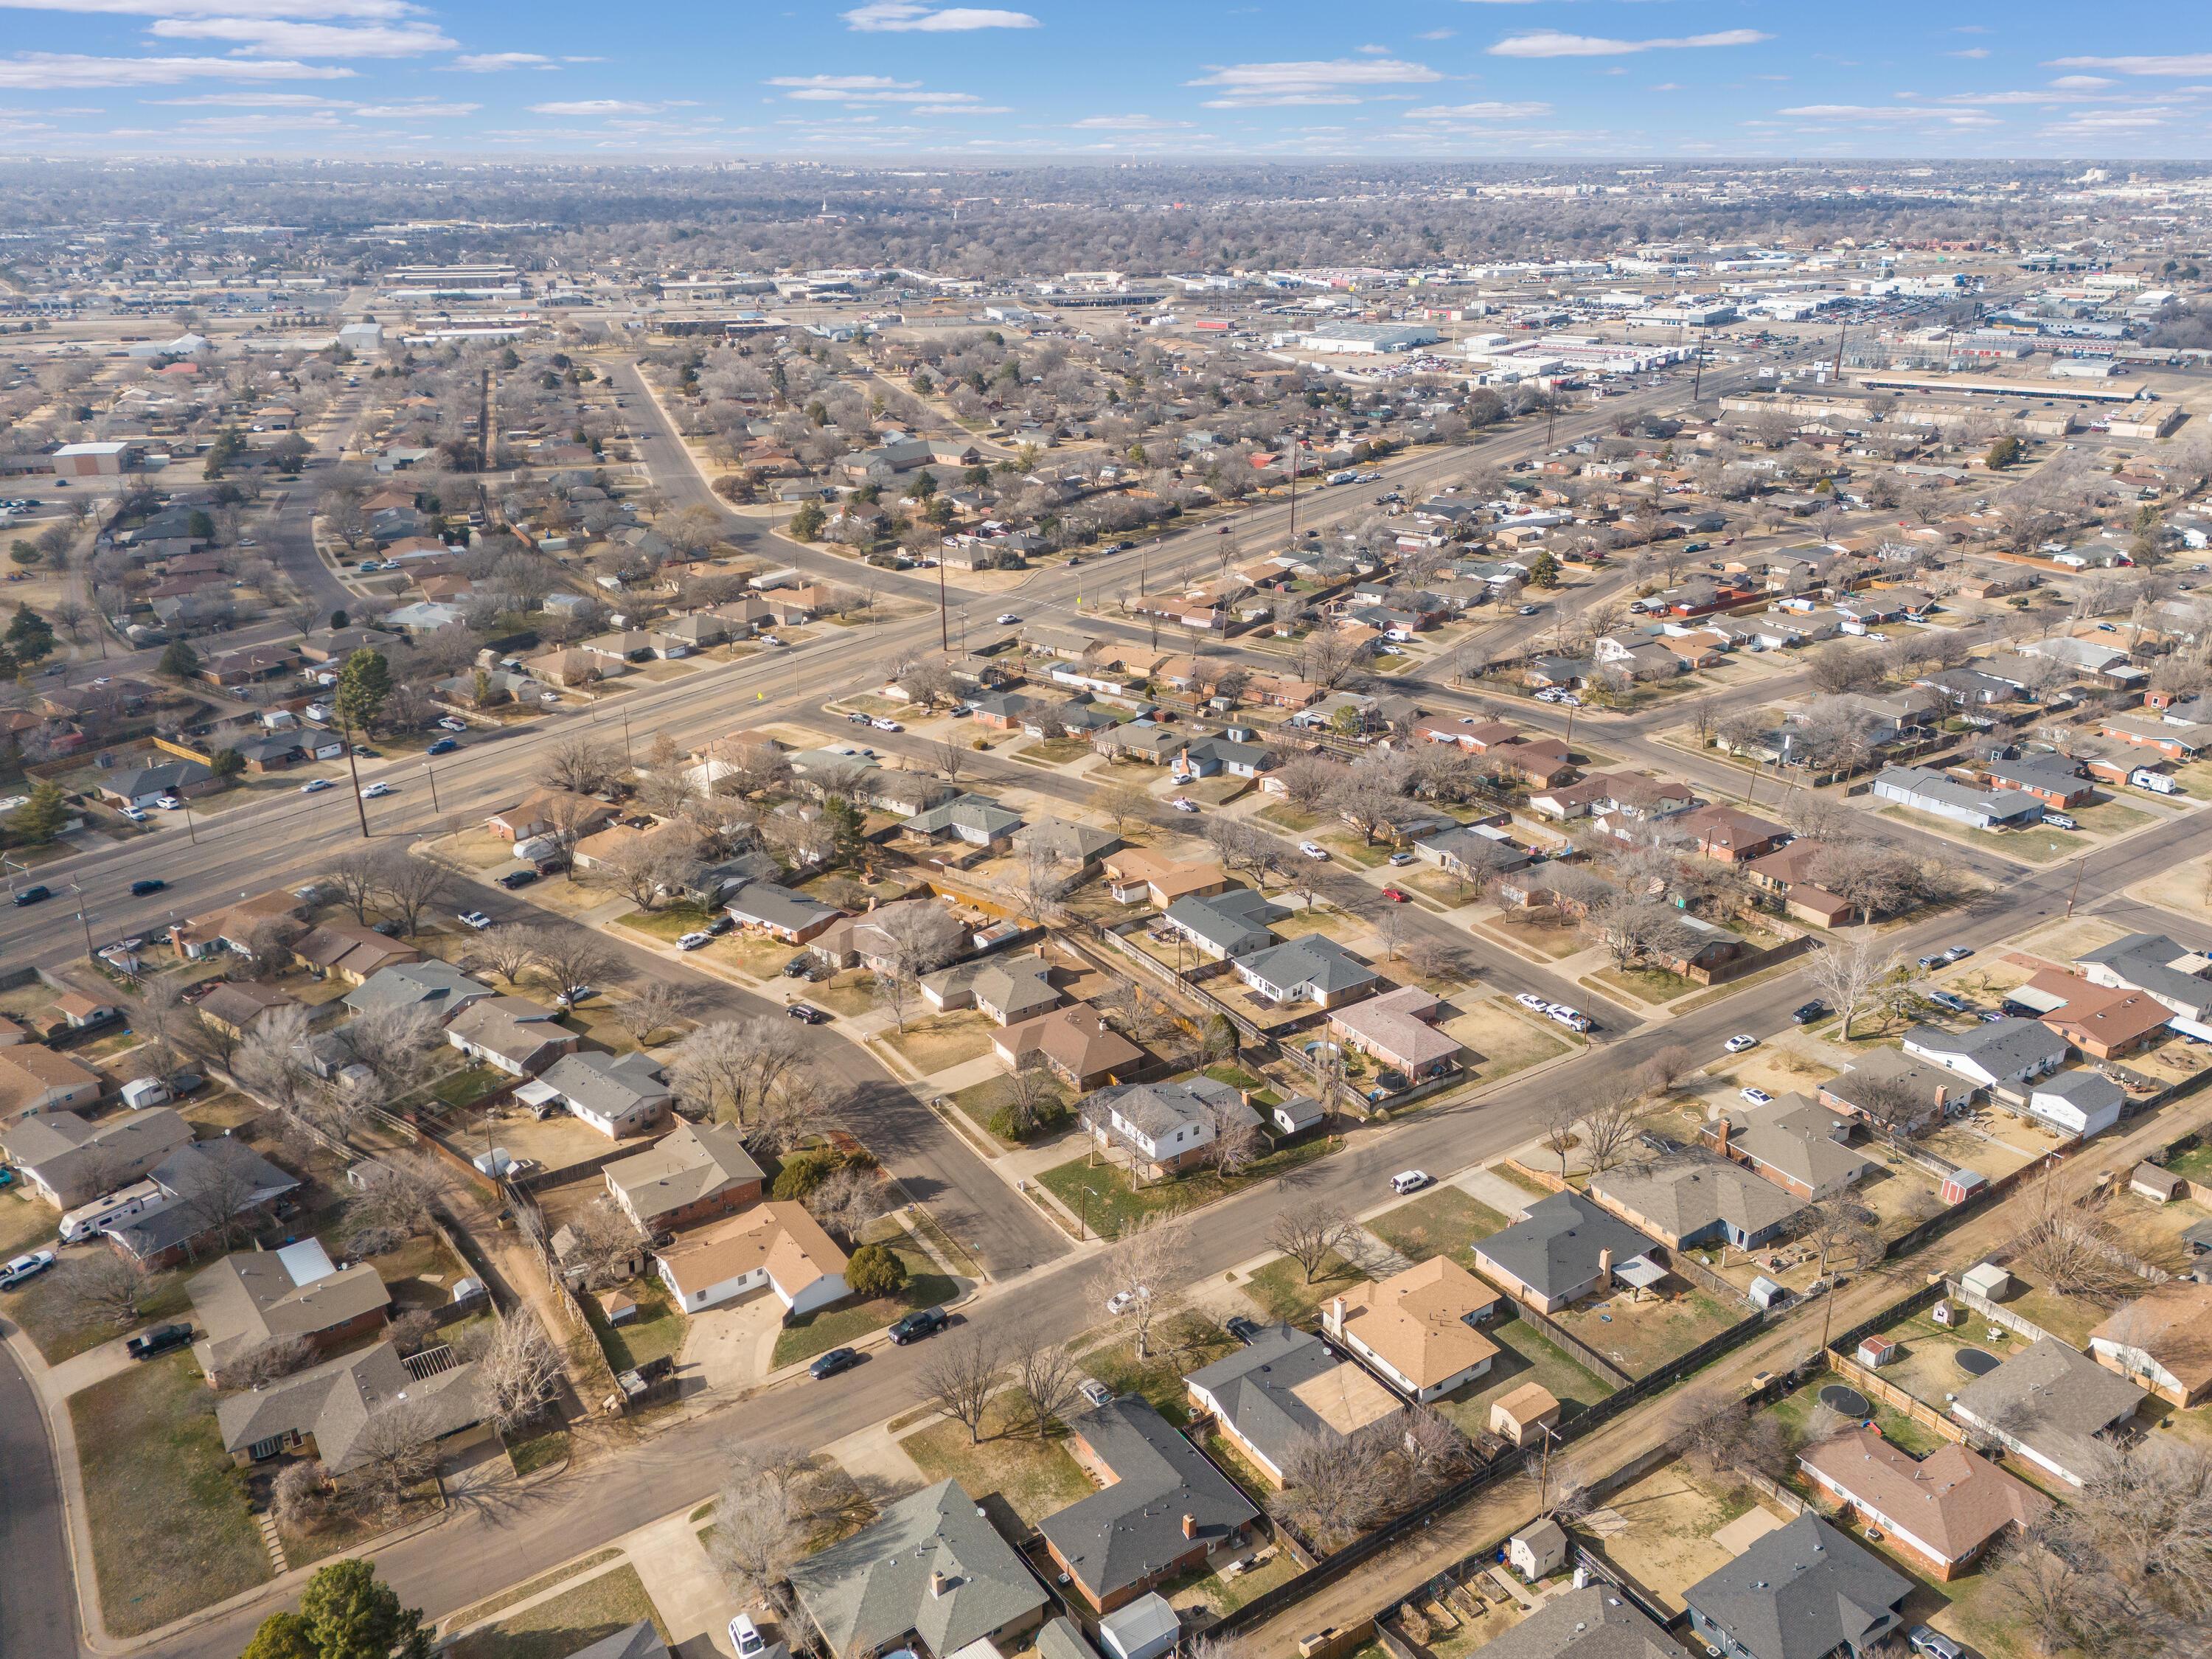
[1850, 1402]
[1975, 1362]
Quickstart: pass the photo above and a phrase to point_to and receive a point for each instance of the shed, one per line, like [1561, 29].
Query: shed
[1538, 1551]
[618, 1307]
[1766, 1293]
[1960, 1185]
[1878, 1351]
[1145, 1629]
[145, 1091]
[1522, 1416]
[1948, 1314]
[1987, 1279]
[2159, 1185]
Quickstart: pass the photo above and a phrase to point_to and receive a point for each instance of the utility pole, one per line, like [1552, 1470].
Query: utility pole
[944, 625]
[431, 772]
[353, 770]
[83, 921]
[1842, 329]
[2079, 865]
[1698, 374]
[1295, 442]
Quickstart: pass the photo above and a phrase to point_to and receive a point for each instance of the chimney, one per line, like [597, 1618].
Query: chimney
[939, 1583]
[1190, 1526]
[1605, 1268]
[1722, 1130]
[1336, 1315]
[1942, 1094]
[1101, 1022]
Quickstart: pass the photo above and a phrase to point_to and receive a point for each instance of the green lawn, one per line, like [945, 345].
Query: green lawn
[658, 1330]
[539, 1451]
[1287, 816]
[1440, 1223]
[2035, 846]
[848, 1322]
[25, 1222]
[670, 921]
[171, 1532]
[560, 1625]
[1111, 1204]
[1282, 1289]
[1524, 1355]
[1034, 1478]
[978, 1100]
[1796, 1409]
[463, 1089]
[2196, 1163]
[43, 1309]
[1187, 1342]
[1650, 984]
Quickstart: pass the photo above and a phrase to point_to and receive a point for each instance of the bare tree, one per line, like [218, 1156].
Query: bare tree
[399, 1192]
[646, 870]
[1308, 1229]
[761, 1518]
[1612, 1117]
[603, 1244]
[1844, 972]
[394, 1452]
[847, 1200]
[568, 958]
[1839, 1225]
[2075, 1251]
[1049, 1377]
[106, 1288]
[265, 1363]
[410, 886]
[1123, 804]
[520, 1371]
[1141, 1271]
[949, 759]
[357, 873]
[580, 766]
[960, 1378]
[510, 951]
[656, 1005]
[1560, 1121]
[1337, 1486]
[273, 1059]
[1873, 879]
[160, 1021]
[1669, 1066]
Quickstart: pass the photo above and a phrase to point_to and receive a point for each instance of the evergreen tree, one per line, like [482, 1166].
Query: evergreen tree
[283, 1636]
[350, 1615]
[180, 661]
[806, 523]
[363, 685]
[39, 819]
[30, 637]
[227, 764]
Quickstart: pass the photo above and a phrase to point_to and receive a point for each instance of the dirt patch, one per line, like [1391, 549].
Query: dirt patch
[938, 1042]
[1668, 1544]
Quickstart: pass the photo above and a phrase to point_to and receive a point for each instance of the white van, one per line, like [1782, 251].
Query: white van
[1409, 1180]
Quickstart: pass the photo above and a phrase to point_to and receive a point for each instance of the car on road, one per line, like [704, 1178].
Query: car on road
[35, 894]
[1806, 1013]
[745, 1638]
[23, 1269]
[1244, 1330]
[315, 786]
[1933, 1643]
[1394, 895]
[1737, 1045]
[924, 1321]
[1314, 850]
[443, 746]
[150, 885]
[514, 879]
[452, 723]
[769, 639]
[1757, 1096]
[1531, 1002]
[1007, 619]
[837, 1361]
[376, 790]
[159, 1339]
[1183, 804]
[476, 919]
[1097, 1392]
[1526, 610]
[857, 718]
[1122, 1301]
[1409, 1181]
[693, 941]
[809, 1013]
[885, 723]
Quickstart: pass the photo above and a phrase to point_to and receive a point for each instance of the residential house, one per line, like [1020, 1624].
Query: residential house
[1594, 1623]
[2153, 964]
[35, 1080]
[778, 911]
[1788, 875]
[511, 1033]
[255, 1297]
[775, 1246]
[1798, 1144]
[235, 927]
[2051, 1405]
[930, 1575]
[1398, 1029]
[142, 786]
[431, 983]
[1311, 969]
[1729, 837]
[1065, 842]
[1417, 1329]
[1473, 852]
[1162, 1509]
[1802, 1591]
[1074, 1043]
[2079, 1103]
[2004, 1054]
[1692, 1197]
[1941, 1512]
[67, 1159]
[1231, 921]
[351, 951]
[2054, 780]
[1135, 876]
[1009, 989]
[1565, 1247]
[2161, 1340]
[872, 938]
[1282, 1389]
[1923, 790]
[2104, 1022]
[2175, 743]
[1888, 1085]
[206, 1189]
[619, 1095]
[694, 1173]
[325, 1412]
[976, 820]
[548, 811]
[1168, 1125]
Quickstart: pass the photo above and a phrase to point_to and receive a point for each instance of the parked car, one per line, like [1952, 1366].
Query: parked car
[514, 879]
[2061, 821]
[745, 1638]
[925, 1321]
[1314, 850]
[1806, 1013]
[1957, 953]
[1573, 1018]
[1737, 1045]
[1409, 1181]
[856, 718]
[151, 884]
[837, 1361]
[443, 746]
[1097, 1392]
[131, 815]
[1933, 1643]
[34, 894]
[1756, 1096]
[159, 1339]
[693, 941]
[1401, 859]
[1533, 1003]
[1945, 1000]
[721, 925]
[1396, 895]
[476, 919]
[452, 723]
[23, 1269]
[800, 966]
[1183, 804]
[1244, 1330]
[170, 804]
[809, 1013]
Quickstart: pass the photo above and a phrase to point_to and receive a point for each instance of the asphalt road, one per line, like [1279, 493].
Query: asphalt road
[38, 1614]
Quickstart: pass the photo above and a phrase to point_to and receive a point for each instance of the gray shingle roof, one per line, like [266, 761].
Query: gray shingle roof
[2145, 961]
[247, 1298]
[873, 1589]
[1233, 922]
[75, 1158]
[977, 814]
[1554, 1249]
[2003, 1047]
[690, 1162]
[605, 1083]
[1254, 1385]
[212, 1167]
[1315, 960]
[2051, 1398]
[1597, 1623]
[1122, 1535]
[638, 1641]
[1157, 1110]
[335, 1402]
[1800, 1592]
[1687, 1193]
[440, 984]
[764, 903]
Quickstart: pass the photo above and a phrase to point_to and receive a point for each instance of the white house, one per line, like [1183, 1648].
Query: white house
[775, 1246]
[2080, 1102]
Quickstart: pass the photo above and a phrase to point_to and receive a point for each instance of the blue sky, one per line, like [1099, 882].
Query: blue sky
[1400, 79]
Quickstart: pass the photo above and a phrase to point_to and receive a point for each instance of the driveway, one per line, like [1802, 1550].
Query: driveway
[728, 1346]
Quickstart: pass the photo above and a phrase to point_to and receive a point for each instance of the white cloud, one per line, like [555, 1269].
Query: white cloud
[2083, 82]
[297, 39]
[252, 100]
[1890, 115]
[856, 89]
[911, 16]
[1260, 86]
[48, 70]
[2194, 62]
[1126, 123]
[1481, 111]
[1552, 43]
[596, 107]
[1436, 35]
[270, 8]
[1969, 52]
[410, 109]
[490, 63]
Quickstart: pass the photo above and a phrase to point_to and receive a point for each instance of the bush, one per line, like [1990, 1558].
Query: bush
[875, 1270]
[803, 1172]
[1008, 1123]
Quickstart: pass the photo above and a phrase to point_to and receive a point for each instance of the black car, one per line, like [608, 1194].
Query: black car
[1243, 1329]
[159, 1339]
[1808, 1013]
[837, 1359]
[925, 1323]
[152, 884]
[799, 967]
[34, 895]
[809, 1013]
[721, 925]
[514, 879]
[551, 865]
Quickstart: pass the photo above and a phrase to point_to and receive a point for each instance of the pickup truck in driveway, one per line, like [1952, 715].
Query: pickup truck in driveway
[159, 1339]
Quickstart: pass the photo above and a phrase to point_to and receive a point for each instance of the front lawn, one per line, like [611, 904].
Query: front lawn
[1440, 1223]
[25, 1222]
[936, 1042]
[565, 1624]
[1101, 1193]
[1036, 1477]
[166, 1508]
[669, 922]
[848, 1322]
[1185, 1343]
[978, 1100]
[47, 1311]
[1282, 1290]
[657, 1331]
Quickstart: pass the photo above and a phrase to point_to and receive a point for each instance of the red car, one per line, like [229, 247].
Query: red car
[1393, 895]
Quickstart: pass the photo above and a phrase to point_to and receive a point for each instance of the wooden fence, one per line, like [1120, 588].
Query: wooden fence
[1869, 1383]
